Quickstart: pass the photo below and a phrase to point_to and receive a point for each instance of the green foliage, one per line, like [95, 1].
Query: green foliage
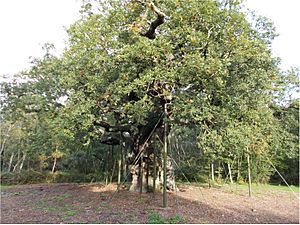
[23, 177]
[227, 100]
[155, 218]
[32, 177]
[176, 219]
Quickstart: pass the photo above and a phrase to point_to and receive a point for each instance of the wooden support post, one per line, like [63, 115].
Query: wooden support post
[114, 164]
[147, 173]
[141, 174]
[165, 160]
[154, 171]
[125, 164]
[107, 164]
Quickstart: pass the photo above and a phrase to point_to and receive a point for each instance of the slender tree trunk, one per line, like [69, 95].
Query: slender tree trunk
[249, 175]
[219, 171]
[2, 149]
[18, 156]
[16, 165]
[238, 169]
[119, 166]
[22, 163]
[113, 171]
[212, 172]
[209, 176]
[2, 160]
[10, 162]
[28, 165]
[230, 174]
[54, 164]
[125, 165]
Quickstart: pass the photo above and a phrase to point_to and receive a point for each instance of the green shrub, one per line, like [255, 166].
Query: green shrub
[95, 177]
[32, 176]
[66, 177]
[29, 177]
[155, 218]
[240, 180]
[176, 219]
[7, 178]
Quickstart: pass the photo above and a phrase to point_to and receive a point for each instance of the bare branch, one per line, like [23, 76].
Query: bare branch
[159, 20]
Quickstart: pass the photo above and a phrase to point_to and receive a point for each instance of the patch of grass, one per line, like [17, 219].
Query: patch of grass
[40, 203]
[68, 215]
[62, 209]
[71, 213]
[43, 204]
[155, 218]
[12, 194]
[52, 209]
[62, 197]
[5, 186]
[176, 219]
[259, 188]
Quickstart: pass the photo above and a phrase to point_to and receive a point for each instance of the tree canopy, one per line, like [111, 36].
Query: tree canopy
[126, 59]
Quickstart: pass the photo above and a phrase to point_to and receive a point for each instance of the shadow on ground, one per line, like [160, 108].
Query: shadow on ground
[96, 203]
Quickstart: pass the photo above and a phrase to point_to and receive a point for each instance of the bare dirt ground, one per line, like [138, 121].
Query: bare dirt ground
[96, 203]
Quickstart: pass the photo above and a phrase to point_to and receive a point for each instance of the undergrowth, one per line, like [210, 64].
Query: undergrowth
[32, 177]
[155, 218]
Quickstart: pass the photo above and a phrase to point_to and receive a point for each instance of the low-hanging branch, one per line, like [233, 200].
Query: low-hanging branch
[159, 20]
[112, 128]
